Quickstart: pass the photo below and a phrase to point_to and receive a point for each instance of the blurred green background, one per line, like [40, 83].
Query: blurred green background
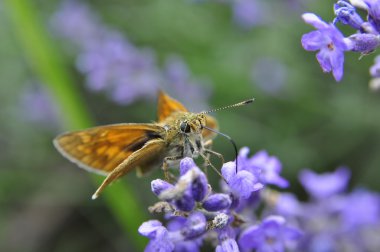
[300, 114]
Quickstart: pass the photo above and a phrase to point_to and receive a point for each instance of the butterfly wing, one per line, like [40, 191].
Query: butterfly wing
[102, 149]
[211, 123]
[167, 106]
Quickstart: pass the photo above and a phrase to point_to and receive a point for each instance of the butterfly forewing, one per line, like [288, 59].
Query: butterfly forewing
[103, 148]
[167, 106]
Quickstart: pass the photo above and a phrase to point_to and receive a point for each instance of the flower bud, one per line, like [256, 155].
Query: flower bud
[159, 185]
[217, 202]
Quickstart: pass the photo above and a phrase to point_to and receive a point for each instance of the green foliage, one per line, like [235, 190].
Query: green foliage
[312, 122]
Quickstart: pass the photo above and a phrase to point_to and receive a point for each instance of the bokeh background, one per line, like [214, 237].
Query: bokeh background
[69, 65]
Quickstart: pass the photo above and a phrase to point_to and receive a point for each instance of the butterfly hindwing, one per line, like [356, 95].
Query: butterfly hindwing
[102, 149]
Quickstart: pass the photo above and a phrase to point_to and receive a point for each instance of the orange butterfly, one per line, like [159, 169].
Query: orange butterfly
[114, 150]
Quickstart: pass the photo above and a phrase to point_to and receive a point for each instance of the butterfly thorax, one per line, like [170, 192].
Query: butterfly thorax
[184, 134]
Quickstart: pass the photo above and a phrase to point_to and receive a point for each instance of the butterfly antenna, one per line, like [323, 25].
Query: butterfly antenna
[231, 140]
[230, 106]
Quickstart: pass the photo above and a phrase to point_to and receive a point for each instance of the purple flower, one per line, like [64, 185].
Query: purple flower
[271, 235]
[113, 65]
[159, 185]
[191, 187]
[330, 43]
[159, 237]
[325, 185]
[346, 14]
[186, 164]
[185, 202]
[373, 8]
[227, 242]
[217, 202]
[264, 167]
[194, 226]
[176, 226]
[287, 205]
[75, 21]
[361, 208]
[363, 42]
[267, 168]
[242, 183]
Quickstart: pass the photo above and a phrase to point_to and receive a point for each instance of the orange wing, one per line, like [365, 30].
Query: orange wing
[211, 123]
[168, 105]
[101, 149]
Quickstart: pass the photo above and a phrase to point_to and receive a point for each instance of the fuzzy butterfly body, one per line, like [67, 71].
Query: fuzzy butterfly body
[114, 150]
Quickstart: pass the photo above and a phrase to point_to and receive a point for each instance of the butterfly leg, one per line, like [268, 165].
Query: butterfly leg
[207, 161]
[207, 145]
[165, 166]
[220, 156]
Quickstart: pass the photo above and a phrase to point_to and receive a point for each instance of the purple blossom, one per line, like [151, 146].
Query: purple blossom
[113, 65]
[192, 187]
[271, 235]
[242, 183]
[373, 8]
[363, 42]
[287, 204]
[330, 43]
[217, 202]
[325, 185]
[346, 14]
[333, 220]
[159, 237]
[159, 185]
[361, 208]
[227, 242]
[264, 167]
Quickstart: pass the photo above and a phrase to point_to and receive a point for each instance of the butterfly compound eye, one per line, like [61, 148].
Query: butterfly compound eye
[185, 127]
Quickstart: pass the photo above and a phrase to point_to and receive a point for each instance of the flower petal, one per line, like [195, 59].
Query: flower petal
[149, 228]
[314, 20]
[313, 41]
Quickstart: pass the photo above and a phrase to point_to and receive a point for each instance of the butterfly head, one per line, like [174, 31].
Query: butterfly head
[192, 123]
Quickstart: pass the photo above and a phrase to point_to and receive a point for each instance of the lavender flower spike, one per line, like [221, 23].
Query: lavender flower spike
[330, 43]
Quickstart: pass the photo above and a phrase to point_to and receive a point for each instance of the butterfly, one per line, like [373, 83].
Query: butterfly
[116, 149]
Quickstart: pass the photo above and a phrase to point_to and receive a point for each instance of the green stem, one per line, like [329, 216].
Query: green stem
[46, 61]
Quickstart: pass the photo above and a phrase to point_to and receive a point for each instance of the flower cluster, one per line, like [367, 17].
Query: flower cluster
[227, 220]
[332, 220]
[112, 64]
[332, 44]
[247, 215]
